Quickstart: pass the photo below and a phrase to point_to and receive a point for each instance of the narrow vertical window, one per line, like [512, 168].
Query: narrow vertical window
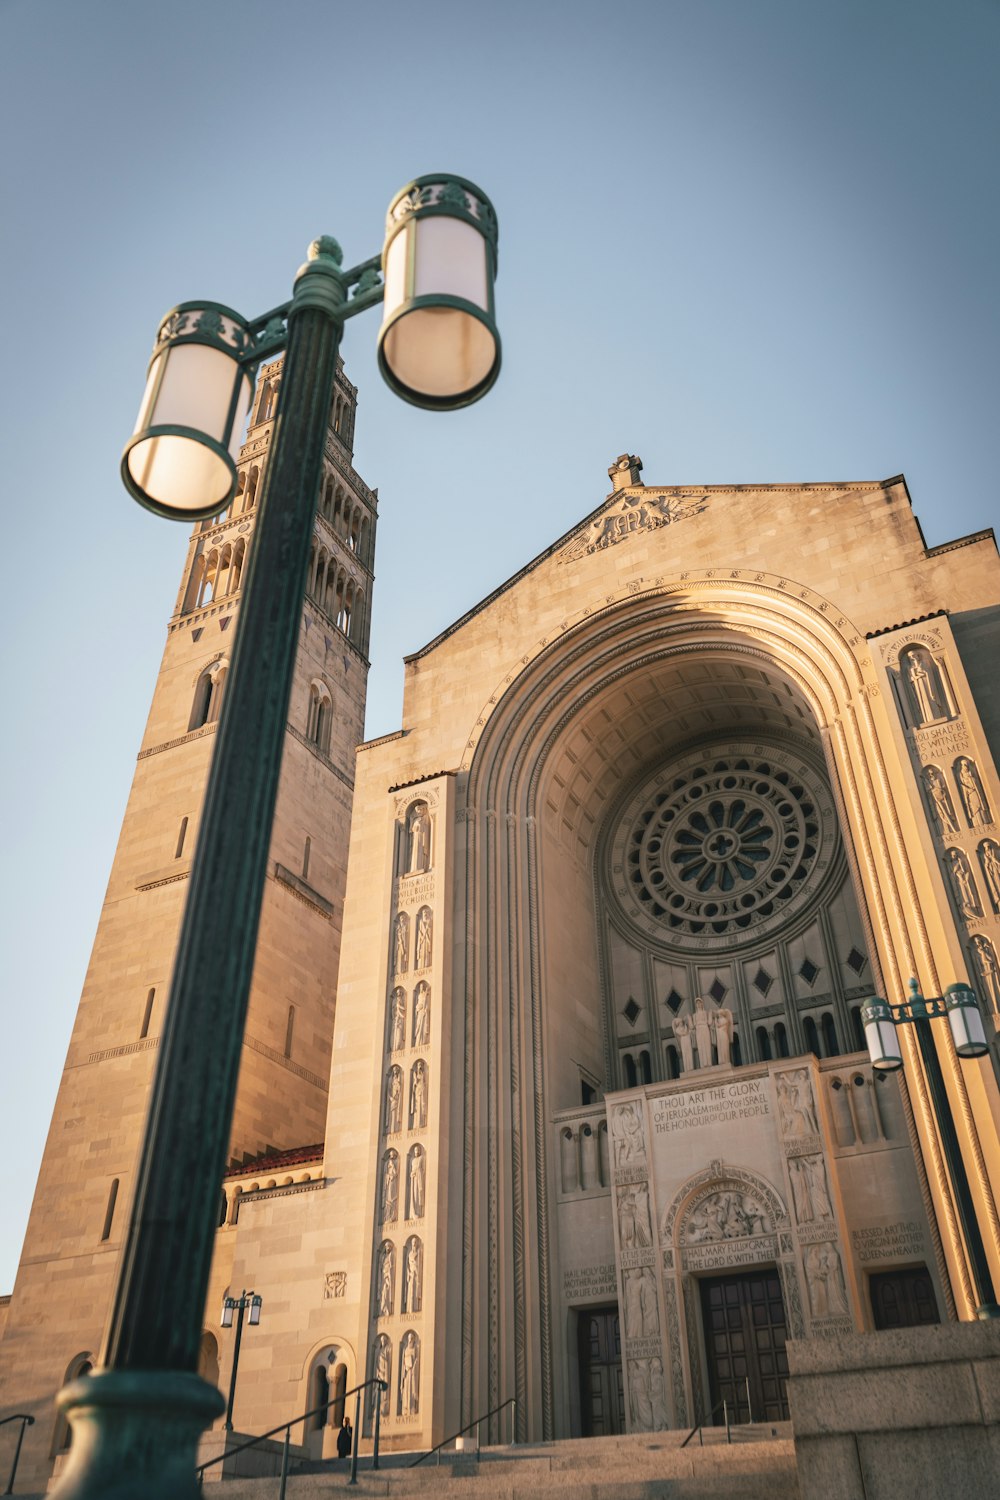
[289, 1030]
[181, 837]
[147, 1014]
[109, 1217]
[305, 858]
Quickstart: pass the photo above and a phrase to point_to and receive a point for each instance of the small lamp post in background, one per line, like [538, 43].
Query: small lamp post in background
[137, 1419]
[959, 1004]
[241, 1304]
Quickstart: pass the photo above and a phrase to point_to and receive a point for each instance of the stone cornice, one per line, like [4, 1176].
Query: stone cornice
[302, 890]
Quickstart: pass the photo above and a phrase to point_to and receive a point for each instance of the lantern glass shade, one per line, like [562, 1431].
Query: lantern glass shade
[966, 1021]
[438, 345]
[226, 1321]
[880, 1035]
[254, 1318]
[180, 460]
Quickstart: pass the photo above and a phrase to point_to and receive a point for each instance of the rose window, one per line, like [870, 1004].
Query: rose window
[724, 843]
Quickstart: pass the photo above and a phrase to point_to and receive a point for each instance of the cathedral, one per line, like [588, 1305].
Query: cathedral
[555, 1101]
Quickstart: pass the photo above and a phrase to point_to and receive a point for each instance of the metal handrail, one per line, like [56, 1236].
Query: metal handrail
[286, 1428]
[25, 1421]
[511, 1402]
[722, 1406]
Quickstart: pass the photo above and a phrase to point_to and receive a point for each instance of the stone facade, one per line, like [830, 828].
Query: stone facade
[663, 811]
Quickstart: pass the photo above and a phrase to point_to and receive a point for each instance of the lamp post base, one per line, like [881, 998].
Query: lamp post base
[135, 1434]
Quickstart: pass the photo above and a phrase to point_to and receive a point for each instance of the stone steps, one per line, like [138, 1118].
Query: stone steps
[756, 1466]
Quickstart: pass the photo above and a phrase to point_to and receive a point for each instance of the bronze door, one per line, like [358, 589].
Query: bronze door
[903, 1299]
[744, 1321]
[602, 1389]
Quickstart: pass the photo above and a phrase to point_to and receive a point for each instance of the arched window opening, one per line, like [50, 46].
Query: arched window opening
[355, 530]
[763, 1044]
[202, 701]
[830, 1043]
[62, 1436]
[735, 1055]
[858, 1030]
[182, 835]
[289, 1030]
[628, 1062]
[338, 507]
[236, 570]
[208, 1358]
[109, 1215]
[811, 1036]
[147, 1015]
[251, 489]
[320, 716]
[208, 579]
[318, 1397]
[645, 1070]
[780, 1039]
[339, 1393]
[239, 499]
[673, 1062]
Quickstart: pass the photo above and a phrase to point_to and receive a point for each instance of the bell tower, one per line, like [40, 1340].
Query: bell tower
[81, 1206]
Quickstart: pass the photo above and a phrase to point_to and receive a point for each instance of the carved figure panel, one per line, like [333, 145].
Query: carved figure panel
[422, 1014]
[825, 1280]
[989, 970]
[401, 943]
[418, 1094]
[939, 799]
[422, 950]
[925, 689]
[796, 1109]
[642, 1318]
[970, 790]
[413, 1275]
[394, 1101]
[397, 1020]
[634, 1229]
[381, 1370]
[725, 1216]
[989, 860]
[810, 1189]
[647, 1395]
[963, 883]
[409, 1376]
[416, 1177]
[390, 1187]
[386, 1277]
[418, 825]
[626, 1128]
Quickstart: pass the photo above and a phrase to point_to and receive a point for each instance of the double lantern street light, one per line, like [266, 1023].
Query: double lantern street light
[137, 1419]
[246, 1302]
[959, 1004]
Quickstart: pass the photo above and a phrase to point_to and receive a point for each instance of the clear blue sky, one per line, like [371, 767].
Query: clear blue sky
[747, 239]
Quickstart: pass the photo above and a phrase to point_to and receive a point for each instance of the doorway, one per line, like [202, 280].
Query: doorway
[903, 1299]
[602, 1389]
[744, 1321]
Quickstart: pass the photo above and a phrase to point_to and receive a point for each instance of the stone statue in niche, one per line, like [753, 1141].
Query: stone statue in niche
[381, 1370]
[810, 1189]
[418, 1094]
[825, 1279]
[422, 1015]
[634, 1231]
[703, 1033]
[415, 1186]
[722, 1027]
[928, 703]
[409, 1376]
[420, 839]
[658, 1395]
[725, 1216]
[795, 1105]
[422, 958]
[412, 1275]
[683, 1026]
[401, 946]
[626, 1128]
[640, 1398]
[963, 884]
[394, 1101]
[386, 1277]
[390, 1187]
[989, 858]
[397, 1030]
[971, 792]
[940, 799]
[641, 1317]
[989, 970]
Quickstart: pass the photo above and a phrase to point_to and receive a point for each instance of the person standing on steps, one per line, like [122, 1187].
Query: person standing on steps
[345, 1438]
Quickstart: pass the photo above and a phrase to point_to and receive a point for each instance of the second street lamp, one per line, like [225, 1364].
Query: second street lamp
[246, 1301]
[137, 1419]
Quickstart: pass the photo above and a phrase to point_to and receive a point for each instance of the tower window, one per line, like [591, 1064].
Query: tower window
[147, 1014]
[289, 1031]
[109, 1217]
[182, 835]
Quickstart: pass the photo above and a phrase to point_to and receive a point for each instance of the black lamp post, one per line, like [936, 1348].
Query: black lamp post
[246, 1301]
[137, 1419]
[959, 1004]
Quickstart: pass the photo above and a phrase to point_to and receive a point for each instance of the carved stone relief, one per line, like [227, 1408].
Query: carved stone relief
[963, 883]
[796, 1109]
[386, 1278]
[422, 953]
[634, 1229]
[825, 1281]
[642, 1318]
[926, 693]
[647, 1395]
[725, 1216]
[989, 970]
[390, 1187]
[397, 1020]
[418, 824]
[401, 943]
[970, 790]
[418, 1095]
[676, 1357]
[416, 1169]
[394, 1101]
[989, 860]
[422, 1014]
[413, 1275]
[939, 798]
[810, 1189]
[381, 1370]
[409, 1376]
[629, 1138]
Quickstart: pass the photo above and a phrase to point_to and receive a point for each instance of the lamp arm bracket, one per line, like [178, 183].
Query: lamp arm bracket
[268, 335]
[927, 1008]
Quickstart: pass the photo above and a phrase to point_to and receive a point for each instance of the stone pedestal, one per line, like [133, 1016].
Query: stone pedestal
[912, 1411]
